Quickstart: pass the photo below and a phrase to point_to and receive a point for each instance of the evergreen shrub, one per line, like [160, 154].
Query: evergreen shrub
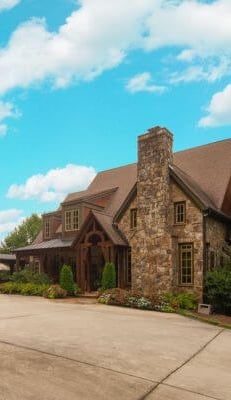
[109, 276]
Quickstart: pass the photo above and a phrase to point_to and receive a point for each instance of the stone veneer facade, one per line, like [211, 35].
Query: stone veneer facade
[152, 263]
[190, 232]
[156, 239]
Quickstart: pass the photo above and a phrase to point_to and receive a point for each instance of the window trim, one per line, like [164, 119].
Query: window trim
[47, 229]
[180, 245]
[176, 205]
[133, 218]
[69, 220]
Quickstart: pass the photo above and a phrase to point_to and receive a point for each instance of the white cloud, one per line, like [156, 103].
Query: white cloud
[219, 109]
[9, 219]
[99, 34]
[208, 71]
[8, 4]
[54, 185]
[90, 42]
[87, 44]
[7, 110]
[143, 83]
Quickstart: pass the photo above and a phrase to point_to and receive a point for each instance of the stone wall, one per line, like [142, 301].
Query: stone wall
[216, 234]
[152, 266]
[190, 232]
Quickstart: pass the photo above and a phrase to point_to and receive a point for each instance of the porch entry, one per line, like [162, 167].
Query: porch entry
[95, 265]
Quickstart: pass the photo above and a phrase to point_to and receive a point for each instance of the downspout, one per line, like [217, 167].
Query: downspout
[204, 239]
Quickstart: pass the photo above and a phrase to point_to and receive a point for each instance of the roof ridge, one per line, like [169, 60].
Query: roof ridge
[121, 166]
[202, 145]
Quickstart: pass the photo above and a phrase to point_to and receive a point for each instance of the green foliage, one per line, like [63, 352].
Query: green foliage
[55, 292]
[167, 302]
[27, 276]
[66, 280]
[27, 289]
[109, 276]
[4, 276]
[184, 301]
[218, 290]
[23, 235]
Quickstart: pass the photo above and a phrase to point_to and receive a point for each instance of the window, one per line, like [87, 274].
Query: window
[47, 229]
[128, 269]
[186, 264]
[133, 218]
[72, 220]
[179, 212]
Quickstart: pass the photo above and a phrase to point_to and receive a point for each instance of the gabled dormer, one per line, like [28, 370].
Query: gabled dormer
[76, 210]
[51, 223]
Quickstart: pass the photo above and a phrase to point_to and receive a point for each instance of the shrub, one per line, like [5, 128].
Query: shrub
[23, 276]
[184, 300]
[27, 289]
[218, 290]
[55, 292]
[117, 297]
[4, 276]
[27, 276]
[66, 279]
[109, 276]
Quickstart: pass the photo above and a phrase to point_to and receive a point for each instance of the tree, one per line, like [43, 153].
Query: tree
[23, 235]
[109, 276]
[66, 279]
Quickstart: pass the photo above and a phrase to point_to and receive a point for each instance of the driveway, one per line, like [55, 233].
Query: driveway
[59, 351]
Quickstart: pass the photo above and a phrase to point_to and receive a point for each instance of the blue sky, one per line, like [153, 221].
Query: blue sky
[79, 80]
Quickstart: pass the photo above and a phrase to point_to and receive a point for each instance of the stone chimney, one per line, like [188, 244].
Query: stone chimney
[152, 270]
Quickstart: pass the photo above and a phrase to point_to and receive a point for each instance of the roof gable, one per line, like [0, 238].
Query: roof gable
[210, 168]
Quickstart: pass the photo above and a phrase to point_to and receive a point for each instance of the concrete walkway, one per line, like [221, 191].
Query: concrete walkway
[61, 351]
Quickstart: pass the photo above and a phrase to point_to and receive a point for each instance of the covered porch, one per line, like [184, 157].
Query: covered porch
[47, 257]
[98, 243]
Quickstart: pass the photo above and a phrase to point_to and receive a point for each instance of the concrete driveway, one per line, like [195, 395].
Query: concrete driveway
[60, 351]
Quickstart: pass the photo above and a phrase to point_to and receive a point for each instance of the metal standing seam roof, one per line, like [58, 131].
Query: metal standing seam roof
[7, 257]
[49, 244]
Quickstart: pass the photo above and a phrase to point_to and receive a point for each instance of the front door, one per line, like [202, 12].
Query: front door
[96, 266]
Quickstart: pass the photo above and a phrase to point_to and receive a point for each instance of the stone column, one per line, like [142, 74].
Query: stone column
[152, 268]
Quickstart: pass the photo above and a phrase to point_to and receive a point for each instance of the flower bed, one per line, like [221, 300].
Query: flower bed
[167, 302]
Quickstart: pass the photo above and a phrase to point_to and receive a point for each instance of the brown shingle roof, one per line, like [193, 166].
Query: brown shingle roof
[210, 167]
[206, 169]
[106, 223]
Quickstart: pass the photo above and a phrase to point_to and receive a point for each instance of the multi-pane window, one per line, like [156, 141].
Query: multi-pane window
[179, 212]
[47, 229]
[129, 266]
[72, 220]
[133, 218]
[186, 264]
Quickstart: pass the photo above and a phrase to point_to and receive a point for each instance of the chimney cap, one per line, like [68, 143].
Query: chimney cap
[156, 131]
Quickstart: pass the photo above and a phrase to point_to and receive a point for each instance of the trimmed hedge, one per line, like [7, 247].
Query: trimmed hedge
[26, 289]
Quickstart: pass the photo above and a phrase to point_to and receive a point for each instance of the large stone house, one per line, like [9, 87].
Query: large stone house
[163, 221]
